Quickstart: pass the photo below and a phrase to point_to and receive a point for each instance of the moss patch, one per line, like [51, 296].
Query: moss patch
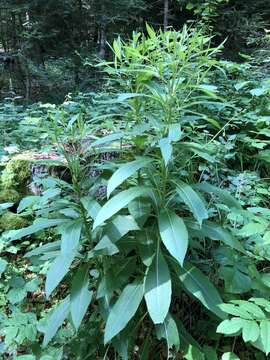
[11, 221]
[16, 174]
[9, 195]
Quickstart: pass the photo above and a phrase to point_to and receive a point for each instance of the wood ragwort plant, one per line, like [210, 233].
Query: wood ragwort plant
[136, 225]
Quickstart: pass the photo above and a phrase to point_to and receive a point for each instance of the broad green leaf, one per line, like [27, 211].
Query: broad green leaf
[166, 150]
[26, 202]
[124, 172]
[80, 296]
[104, 247]
[265, 335]
[229, 356]
[91, 206]
[146, 246]
[47, 248]
[70, 237]
[70, 213]
[197, 284]
[261, 302]
[251, 331]
[158, 289]
[168, 330]
[236, 311]
[55, 320]
[140, 209]
[119, 202]
[120, 226]
[215, 232]
[193, 201]
[58, 270]
[107, 139]
[231, 327]
[124, 309]
[174, 234]
[253, 309]
[224, 195]
[175, 132]
[38, 225]
[49, 194]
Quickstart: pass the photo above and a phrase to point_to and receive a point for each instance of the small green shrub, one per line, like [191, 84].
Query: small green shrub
[162, 218]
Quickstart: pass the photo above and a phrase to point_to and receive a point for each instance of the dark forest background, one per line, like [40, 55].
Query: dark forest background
[44, 44]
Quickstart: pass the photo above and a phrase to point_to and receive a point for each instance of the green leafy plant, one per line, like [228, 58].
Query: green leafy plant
[251, 318]
[153, 219]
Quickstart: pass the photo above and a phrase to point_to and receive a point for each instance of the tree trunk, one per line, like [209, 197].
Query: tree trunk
[166, 15]
[102, 41]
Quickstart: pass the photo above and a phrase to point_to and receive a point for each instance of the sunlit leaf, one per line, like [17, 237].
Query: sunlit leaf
[124, 309]
[158, 289]
[174, 234]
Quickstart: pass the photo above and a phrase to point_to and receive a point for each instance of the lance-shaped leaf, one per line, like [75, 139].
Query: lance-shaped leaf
[251, 331]
[124, 309]
[146, 246]
[38, 225]
[174, 234]
[55, 320]
[198, 285]
[231, 326]
[215, 232]
[265, 335]
[158, 289]
[166, 150]
[71, 237]
[229, 356]
[140, 209]
[44, 249]
[193, 201]
[107, 139]
[91, 206]
[80, 297]
[169, 331]
[118, 202]
[57, 271]
[124, 172]
[60, 266]
[224, 195]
